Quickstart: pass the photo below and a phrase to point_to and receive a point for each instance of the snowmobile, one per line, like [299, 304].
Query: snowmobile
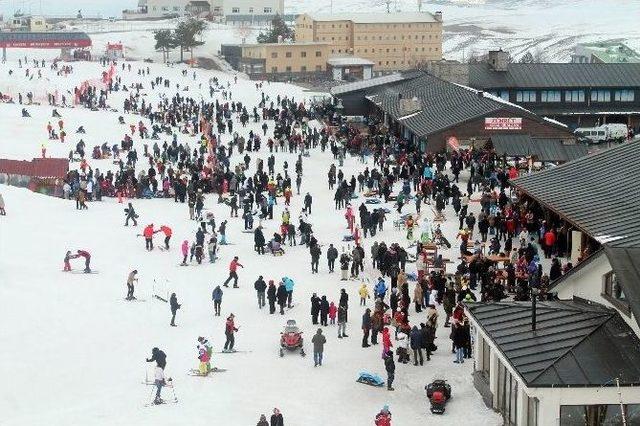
[438, 392]
[291, 338]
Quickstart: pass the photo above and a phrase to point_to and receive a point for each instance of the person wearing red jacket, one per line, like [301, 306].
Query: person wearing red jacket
[87, 259]
[229, 329]
[383, 418]
[233, 274]
[549, 242]
[167, 235]
[148, 236]
[386, 341]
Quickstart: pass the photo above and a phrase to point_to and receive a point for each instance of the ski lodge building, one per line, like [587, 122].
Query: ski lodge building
[575, 360]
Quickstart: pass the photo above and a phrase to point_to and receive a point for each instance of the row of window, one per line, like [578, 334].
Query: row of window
[251, 10]
[302, 69]
[303, 54]
[550, 96]
[370, 26]
[373, 38]
[435, 49]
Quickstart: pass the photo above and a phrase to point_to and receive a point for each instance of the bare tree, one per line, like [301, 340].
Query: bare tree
[244, 31]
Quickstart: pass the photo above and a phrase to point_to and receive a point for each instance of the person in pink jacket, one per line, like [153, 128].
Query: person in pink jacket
[185, 251]
[333, 310]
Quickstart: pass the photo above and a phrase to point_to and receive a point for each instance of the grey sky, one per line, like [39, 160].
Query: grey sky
[57, 7]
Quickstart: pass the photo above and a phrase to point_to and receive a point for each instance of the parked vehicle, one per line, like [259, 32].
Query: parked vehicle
[614, 132]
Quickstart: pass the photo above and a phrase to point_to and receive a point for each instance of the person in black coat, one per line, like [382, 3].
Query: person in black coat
[159, 357]
[276, 418]
[174, 305]
[324, 310]
[282, 294]
[315, 308]
[344, 302]
[260, 286]
[271, 297]
[366, 327]
[390, 366]
[416, 345]
[332, 255]
[258, 240]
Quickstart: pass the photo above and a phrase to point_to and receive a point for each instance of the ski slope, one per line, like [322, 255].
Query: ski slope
[73, 351]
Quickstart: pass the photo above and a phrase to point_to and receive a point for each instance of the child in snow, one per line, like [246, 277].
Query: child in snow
[185, 251]
[364, 294]
[333, 310]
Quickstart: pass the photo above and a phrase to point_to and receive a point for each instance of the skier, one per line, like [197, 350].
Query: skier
[160, 383]
[318, 341]
[167, 235]
[230, 328]
[132, 277]
[233, 267]
[148, 236]
[87, 259]
[67, 260]
[159, 357]
[185, 252]
[216, 296]
[204, 355]
[174, 305]
[131, 214]
[260, 287]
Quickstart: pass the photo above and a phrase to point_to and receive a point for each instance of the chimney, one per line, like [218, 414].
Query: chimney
[498, 60]
[438, 16]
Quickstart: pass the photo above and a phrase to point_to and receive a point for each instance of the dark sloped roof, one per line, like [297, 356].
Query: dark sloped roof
[375, 82]
[443, 104]
[544, 149]
[559, 75]
[575, 343]
[597, 193]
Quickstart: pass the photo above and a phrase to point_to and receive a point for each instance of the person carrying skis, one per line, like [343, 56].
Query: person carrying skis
[130, 214]
[233, 274]
[159, 357]
[174, 305]
[130, 279]
[229, 331]
[216, 296]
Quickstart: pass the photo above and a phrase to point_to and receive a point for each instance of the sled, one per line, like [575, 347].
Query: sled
[370, 379]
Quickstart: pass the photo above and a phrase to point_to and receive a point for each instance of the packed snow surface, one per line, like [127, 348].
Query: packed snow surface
[73, 351]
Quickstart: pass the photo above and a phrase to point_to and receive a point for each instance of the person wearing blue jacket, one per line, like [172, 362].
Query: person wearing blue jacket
[416, 342]
[380, 288]
[216, 296]
[288, 285]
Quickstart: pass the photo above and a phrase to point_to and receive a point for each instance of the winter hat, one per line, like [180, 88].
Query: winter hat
[385, 408]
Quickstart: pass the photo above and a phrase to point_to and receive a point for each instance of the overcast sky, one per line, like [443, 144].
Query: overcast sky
[56, 7]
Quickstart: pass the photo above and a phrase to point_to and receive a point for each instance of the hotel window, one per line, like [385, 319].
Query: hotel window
[274, 69]
[318, 54]
[624, 96]
[574, 96]
[267, 10]
[250, 10]
[550, 96]
[303, 69]
[600, 96]
[274, 54]
[235, 10]
[288, 69]
[318, 67]
[287, 54]
[526, 96]
[303, 54]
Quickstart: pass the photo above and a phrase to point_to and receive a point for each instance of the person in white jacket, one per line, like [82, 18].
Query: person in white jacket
[160, 382]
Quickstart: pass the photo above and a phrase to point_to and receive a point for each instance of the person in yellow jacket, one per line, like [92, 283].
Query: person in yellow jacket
[364, 294]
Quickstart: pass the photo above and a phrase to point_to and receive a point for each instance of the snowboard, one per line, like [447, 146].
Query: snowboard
[93, 271]
[233, 352]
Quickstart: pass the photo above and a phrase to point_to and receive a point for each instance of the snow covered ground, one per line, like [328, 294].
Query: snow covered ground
[73, 351]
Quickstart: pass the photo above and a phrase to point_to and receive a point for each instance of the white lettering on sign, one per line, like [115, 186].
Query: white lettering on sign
[503, 123]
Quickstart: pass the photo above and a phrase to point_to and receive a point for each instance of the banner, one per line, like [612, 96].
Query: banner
[503, 123]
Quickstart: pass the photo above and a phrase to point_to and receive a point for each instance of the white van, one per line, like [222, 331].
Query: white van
[605, 133]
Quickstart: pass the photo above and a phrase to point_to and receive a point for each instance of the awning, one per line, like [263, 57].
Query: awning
[543, 149]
